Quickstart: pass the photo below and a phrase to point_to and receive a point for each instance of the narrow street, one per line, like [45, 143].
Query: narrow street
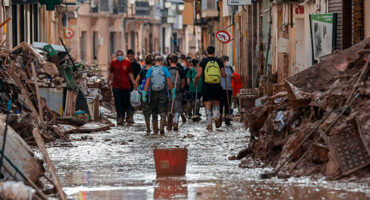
[119, 164]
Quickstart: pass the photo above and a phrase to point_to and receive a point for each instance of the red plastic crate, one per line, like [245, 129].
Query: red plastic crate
[171, 161]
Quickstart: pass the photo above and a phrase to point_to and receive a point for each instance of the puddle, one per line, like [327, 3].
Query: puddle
[119, 164]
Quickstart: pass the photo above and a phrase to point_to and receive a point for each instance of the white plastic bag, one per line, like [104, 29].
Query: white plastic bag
[135, 98]
[16, 190]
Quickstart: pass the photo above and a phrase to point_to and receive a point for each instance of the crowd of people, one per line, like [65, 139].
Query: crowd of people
[172, 88]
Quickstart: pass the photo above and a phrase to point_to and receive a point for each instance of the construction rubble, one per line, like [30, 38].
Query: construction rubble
[319, 123]
[44, 96]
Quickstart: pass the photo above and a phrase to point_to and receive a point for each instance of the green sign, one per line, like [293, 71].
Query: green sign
[323, 34]
[50, 4]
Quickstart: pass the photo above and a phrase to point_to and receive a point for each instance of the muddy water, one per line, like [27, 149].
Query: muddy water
[118, 164]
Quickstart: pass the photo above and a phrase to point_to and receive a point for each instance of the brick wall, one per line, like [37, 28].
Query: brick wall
[358, 25]
[343, 8]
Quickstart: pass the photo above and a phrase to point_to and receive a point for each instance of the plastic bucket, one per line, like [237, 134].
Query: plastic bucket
[171, 161]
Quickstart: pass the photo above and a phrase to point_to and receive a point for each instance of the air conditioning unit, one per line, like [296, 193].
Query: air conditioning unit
[93, 3]
[6, 2]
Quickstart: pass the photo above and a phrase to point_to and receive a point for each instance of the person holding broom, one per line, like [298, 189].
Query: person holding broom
[158, 79]
[227, 92]
[195, 91]
[178, 81]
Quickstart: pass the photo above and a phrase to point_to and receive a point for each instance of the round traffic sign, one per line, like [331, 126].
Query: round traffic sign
[69, 33]
[223, 36]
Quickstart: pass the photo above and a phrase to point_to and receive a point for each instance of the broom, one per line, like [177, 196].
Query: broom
[170, 116]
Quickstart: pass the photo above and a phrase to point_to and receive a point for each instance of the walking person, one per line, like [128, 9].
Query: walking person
[120, 79]
[227, 92]
[158, 79]
[178, 82]
[211, 69]
[195, 91]
[140, 81]
[136, 67]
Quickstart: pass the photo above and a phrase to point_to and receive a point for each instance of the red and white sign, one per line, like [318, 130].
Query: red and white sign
[69, 33]
[223, 36]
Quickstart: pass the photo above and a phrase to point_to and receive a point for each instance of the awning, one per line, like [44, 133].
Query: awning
[25, 1]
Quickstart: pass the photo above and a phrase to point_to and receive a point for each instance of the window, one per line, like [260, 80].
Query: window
[209, 5]
[83, 45]
[106, 6]
[112, 40]
[132, 38]
[95, 44]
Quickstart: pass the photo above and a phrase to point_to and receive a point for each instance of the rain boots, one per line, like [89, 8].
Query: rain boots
[155, 127]
[163, 120]
[176, 126]
[209, 120]
[183, 118]
[217, 116]
[119, 121]
[130, 117]
[147, 124]
[228, 121]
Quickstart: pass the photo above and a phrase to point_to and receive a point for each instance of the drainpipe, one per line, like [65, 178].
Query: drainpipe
[233, 33]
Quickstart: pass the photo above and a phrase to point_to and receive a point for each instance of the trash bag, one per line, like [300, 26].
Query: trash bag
[135, 98]
[16, 190]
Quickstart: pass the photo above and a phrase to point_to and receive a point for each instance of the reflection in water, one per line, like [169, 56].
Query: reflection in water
[170, 188]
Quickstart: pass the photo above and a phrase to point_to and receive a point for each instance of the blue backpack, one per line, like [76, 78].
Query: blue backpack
[158, 79]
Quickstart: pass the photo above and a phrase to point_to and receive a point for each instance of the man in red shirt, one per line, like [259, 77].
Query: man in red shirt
[119, 79]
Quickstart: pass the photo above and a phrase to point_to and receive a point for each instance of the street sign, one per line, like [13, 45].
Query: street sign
[223, 36]
[239, 2]
[69, 33]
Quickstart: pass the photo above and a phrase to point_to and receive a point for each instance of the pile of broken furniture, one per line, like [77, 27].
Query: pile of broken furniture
[51, 96]
[319, 123]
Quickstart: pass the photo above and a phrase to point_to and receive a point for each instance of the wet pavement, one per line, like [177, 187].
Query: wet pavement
[119, 164]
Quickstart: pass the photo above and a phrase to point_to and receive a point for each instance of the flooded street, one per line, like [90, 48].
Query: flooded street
[119, 164]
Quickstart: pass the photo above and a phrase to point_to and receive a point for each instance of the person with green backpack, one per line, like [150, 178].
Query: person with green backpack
[158, 79]
[211, 70]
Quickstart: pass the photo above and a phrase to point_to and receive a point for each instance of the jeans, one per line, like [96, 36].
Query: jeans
[122, 101]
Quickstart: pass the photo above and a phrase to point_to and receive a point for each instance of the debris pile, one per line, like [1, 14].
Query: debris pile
[320, 122]
[44, 96]
[47, 89]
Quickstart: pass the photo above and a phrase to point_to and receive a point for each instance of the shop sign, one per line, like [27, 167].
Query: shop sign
[239, 2]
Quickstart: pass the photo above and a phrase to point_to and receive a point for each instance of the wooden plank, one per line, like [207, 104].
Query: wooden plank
[5, 22]
[25, 97]
[45, 155]
[34, 77]
[70, 107]
[20, 154]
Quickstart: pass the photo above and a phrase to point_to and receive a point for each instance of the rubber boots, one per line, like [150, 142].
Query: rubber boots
[217, 116]
[209, 120]
[176, 126]
[155, 127]
[163, 120]
[130, 117]
[147, 124]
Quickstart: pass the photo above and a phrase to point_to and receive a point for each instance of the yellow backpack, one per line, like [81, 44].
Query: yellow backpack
[212, 72]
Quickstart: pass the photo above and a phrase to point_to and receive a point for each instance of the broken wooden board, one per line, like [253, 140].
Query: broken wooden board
[65, 128]
[70, 107]
[34, 77]
[92, 127]
[20, 154]
[93, 104]
[45, 155]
